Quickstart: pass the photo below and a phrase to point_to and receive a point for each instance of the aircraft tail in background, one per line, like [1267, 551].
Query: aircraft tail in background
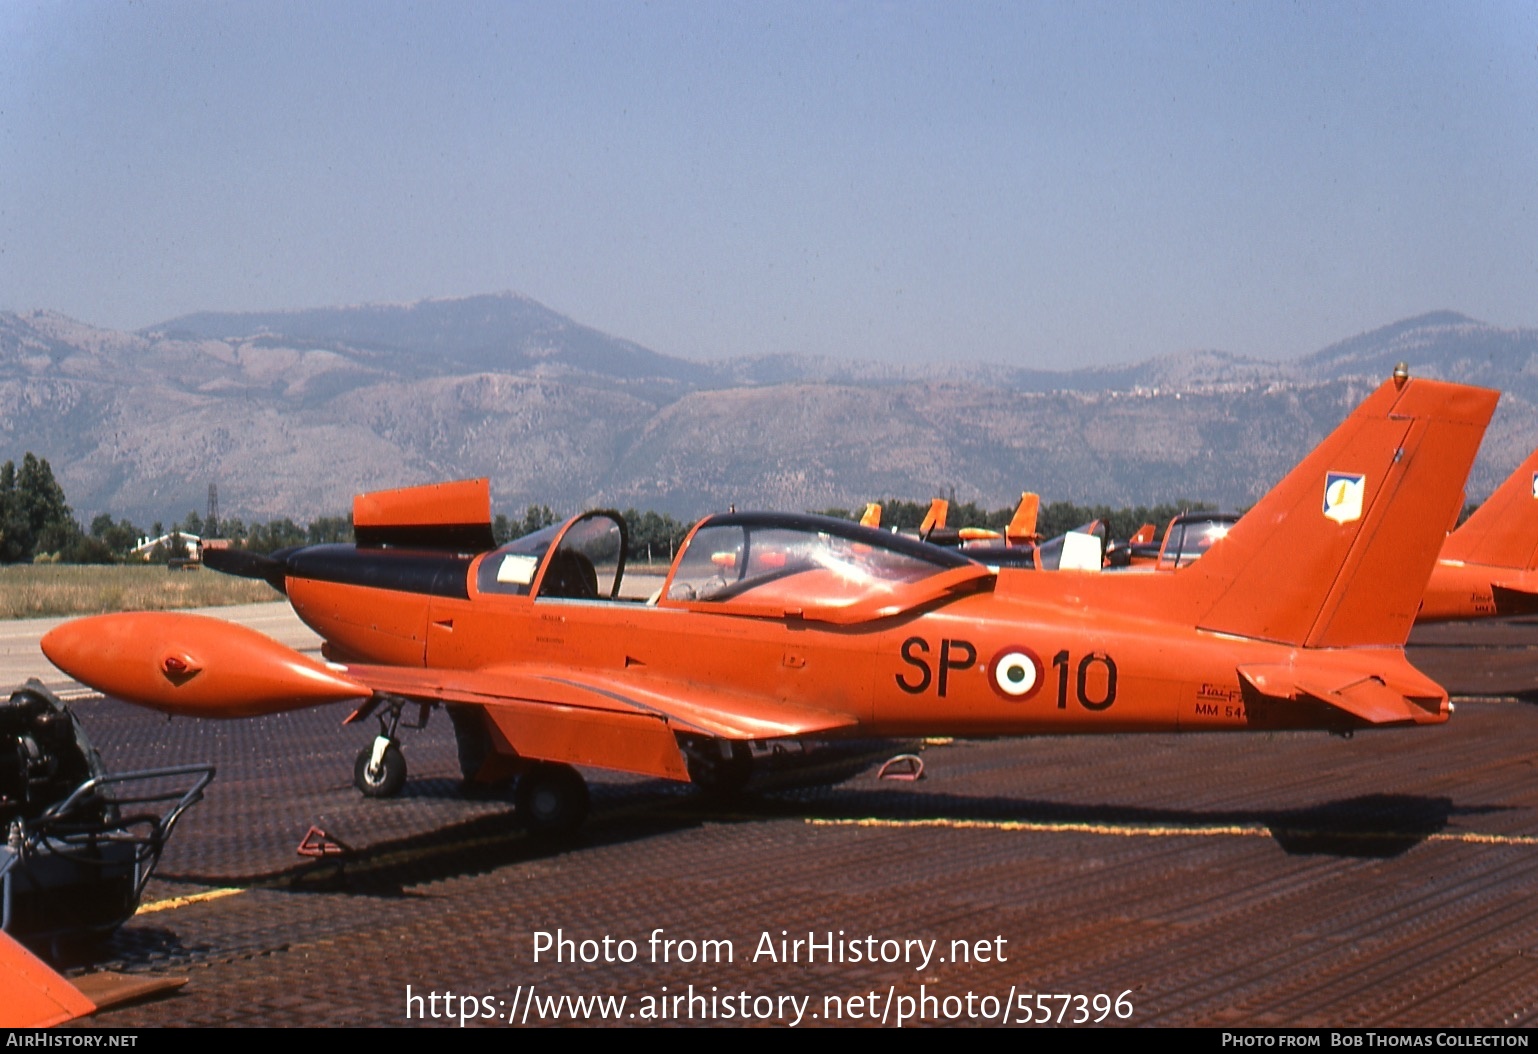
[1489, 565]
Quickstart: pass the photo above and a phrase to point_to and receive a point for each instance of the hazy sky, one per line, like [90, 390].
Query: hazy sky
[1049, 184]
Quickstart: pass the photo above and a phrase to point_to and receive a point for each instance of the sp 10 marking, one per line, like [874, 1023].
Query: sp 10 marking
[1015, 673]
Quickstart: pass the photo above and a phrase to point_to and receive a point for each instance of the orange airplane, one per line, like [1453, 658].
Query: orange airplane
[32, 995]
[1489, 565]
[769, 626]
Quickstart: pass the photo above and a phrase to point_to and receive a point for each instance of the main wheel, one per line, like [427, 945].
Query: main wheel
[717, 767]
[384, 782]
[552, 798]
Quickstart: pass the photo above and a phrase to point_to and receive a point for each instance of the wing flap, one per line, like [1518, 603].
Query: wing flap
[607, 740]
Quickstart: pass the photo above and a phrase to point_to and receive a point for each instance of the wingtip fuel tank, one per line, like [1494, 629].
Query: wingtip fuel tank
[193, 665]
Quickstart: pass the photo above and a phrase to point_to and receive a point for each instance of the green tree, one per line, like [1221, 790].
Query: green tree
[34, 515]
[654, 537]
[329, 529]
[119, 537]
[535, 518]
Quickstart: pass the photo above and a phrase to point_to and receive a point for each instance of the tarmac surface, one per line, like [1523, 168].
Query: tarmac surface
[1244, 880]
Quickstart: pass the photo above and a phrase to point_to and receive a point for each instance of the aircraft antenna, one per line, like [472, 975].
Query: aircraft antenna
[211, 521]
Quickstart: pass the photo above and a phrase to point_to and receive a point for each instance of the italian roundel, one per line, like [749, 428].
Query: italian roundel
[1343, 493]
[1015, 673]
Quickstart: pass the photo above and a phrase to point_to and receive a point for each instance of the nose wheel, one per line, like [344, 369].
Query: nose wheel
[380, 771]
[552, 798]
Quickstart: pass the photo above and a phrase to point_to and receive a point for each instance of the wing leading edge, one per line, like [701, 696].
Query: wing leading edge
[583, 718]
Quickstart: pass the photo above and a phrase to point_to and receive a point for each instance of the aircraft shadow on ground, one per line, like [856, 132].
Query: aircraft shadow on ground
[1372, 826]
[1368, 826]
[621, 812]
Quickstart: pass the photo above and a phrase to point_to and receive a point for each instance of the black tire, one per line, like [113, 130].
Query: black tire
[717, 776]
[388, 781]
[552, 799]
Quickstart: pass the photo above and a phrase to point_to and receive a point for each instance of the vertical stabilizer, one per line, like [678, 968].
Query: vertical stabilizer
[934, 519]
[1339, 552]
[1022, 527]
[1503, 532]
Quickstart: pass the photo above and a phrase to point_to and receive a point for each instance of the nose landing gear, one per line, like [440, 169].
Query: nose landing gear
[380, 771]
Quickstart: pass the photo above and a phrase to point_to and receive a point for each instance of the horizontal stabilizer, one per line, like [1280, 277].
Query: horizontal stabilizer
[1403, 696]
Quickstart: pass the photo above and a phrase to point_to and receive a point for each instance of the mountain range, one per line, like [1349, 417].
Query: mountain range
[291, 413]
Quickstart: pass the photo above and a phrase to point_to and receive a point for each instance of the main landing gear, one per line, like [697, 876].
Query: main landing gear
[551, 797]
[719, 768]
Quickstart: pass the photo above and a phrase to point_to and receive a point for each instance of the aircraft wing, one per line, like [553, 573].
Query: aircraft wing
[587, 718]
[193, 665]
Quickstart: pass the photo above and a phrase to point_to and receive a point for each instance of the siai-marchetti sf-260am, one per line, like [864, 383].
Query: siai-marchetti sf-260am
[772, 626]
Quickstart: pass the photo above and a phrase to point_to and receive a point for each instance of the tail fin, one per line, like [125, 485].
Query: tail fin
[1339, 552]
[1022, 527]
[1503, 532]
[934, 519]
[871, 517]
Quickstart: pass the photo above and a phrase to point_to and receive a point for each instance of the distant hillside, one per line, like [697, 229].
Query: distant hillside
[291, 413]
[503, 333]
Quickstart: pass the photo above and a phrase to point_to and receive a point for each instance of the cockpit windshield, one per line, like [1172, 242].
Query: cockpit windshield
[511, 568]
[800, 562]
[585, 563]
[1189, 537]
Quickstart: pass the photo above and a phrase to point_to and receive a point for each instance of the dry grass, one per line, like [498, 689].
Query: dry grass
[38, 590]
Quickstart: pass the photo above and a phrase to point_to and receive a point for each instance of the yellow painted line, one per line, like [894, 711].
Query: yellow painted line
[172, 903]
[1134, 831]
